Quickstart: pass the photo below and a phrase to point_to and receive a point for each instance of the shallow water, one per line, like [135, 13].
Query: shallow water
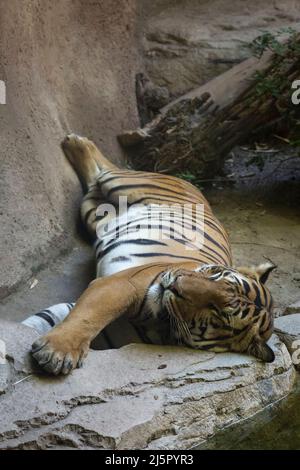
[276, 427]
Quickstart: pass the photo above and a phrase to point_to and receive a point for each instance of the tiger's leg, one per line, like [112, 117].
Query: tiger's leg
[47, 319]
[90, 203]
[106, 299]
[88, 162]
[137, 187]
[81, 160]
[77, 151]
[85, 157]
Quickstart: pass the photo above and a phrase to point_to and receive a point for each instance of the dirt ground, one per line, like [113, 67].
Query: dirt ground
[260, 210]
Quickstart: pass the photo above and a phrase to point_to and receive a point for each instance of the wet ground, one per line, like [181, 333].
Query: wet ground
[276, 427]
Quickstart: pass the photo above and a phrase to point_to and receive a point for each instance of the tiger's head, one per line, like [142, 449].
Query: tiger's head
[218, 308]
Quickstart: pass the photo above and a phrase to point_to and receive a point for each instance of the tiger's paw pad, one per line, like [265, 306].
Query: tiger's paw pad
[55, 358]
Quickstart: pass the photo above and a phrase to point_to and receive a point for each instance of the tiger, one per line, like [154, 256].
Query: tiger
[182, 284]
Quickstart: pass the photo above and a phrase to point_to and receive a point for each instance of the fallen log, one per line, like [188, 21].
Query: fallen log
[197, 131]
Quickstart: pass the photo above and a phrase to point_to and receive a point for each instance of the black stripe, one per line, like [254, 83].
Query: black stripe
[88, 213]
[183, 241]
[46, 317]
[246, 286]
[161, 199]
[209, 238]
[202, 251]
[112, 178]
[117, 259]
[148, 255]
[139, 241]
[173, 234]
[264, 294]
[142, 187]
[245, 312]
[119, 228]
[209, 346]
[92, 198]
[271, 303]
[257, 300]
[98, 243]
[138, 176]
[216, 228]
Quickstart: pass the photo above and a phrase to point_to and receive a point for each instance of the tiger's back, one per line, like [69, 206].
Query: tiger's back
[153, 218]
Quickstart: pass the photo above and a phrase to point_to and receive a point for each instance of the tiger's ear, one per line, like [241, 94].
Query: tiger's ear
[261, 350]
[260, 272]
[263, 270]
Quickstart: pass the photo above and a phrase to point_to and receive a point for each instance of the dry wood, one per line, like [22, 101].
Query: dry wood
[195, 132]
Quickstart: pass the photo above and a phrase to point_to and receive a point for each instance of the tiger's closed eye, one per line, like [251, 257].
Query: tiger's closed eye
[175, 291]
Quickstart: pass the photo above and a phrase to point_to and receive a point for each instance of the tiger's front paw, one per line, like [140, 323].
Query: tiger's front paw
[56, 354]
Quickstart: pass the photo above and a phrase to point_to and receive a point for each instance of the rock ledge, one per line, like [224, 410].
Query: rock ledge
[136, 397]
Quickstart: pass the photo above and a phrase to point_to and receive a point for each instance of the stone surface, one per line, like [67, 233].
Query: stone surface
[288, 330]
[15, 363]
[139, 396]
[293, 308]
[68, 66]
[187, 45]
